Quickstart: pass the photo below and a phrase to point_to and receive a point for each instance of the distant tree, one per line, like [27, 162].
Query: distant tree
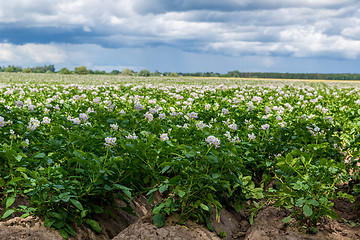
[99, 72]
[174, 74]
[144, 73]
[51, 68]
[156, 73]
[65, 71]
[27, 70]
[234, 74]
[82, 70]
[127, 72]
[37, 70]
[114, 72]
[48, 72]
[91, 71]
[10, 69]
[43, 69]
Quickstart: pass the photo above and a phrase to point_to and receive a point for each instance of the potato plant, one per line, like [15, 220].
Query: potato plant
[72, 147]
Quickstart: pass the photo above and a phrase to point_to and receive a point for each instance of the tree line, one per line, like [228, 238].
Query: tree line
[278, 75]
[82, 70]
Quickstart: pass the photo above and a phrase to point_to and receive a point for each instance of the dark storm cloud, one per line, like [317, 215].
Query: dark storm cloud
[161, 6]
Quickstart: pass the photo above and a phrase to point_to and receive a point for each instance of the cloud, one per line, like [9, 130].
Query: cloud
[159, 58]
[31, 53]
[161, 6]
[229, 28]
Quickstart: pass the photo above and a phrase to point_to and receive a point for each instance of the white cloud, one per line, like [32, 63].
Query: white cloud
[86, 29]
[31, 53]
[159, 58]
[307, 42]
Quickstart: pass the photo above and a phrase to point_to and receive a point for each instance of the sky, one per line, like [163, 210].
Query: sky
[321, 36]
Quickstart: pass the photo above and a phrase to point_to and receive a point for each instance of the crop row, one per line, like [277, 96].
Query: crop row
[71, 150]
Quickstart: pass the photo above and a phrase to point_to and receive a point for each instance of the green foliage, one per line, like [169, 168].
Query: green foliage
[144, 73]
[12, 69]
[173, 74]
[203, 148]
[43, 69]
[156, 74]
[222, 234]
[306, 185]
[64, 71]
[82, 70]
[27, 70]
[127, 72]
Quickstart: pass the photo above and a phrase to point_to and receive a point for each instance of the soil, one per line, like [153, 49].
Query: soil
[267, 225]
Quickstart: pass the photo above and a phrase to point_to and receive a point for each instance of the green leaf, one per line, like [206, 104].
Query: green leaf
[21, 169]
[63, 233]
[151, 199]
[55, 215]
[127, 193]
[78, 154]
[25, 215]
[14, 180]
[49, 222]
[169, 143]
[258, 193]
[251, 219]
[7, 213]
[151, 191]
[2, 182]
[77, 204]
[125, 190]
[287, 219]
[190, 154]
[10, 201]
[163, 188]
[83, 213]
[212, 159]
[238, 206]
[210, 197]
[215, 175]
[94, 225]
[165, 169]
[164, 164]
[58, 224]
[64, 197]
[203, 206]
[314, 202]
[39, 155]
[208, 224]
[300, 202]
[10, 154]
[18, 157]
[181, 193]
[307, 210]
[289, 159]
[158, 208]
[332, 214]
[59, 186]
[159, 220]
[97, 209]
[70, 230]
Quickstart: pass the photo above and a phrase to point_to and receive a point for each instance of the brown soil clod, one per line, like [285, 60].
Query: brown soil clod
[267, 225]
